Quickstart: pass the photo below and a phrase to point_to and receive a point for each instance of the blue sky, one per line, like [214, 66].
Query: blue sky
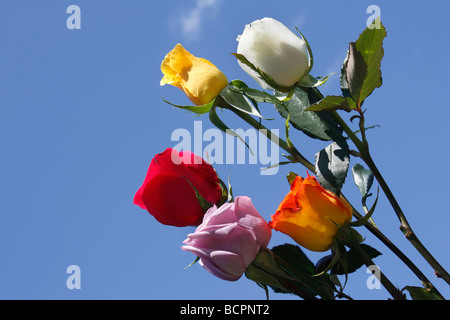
[81, 116]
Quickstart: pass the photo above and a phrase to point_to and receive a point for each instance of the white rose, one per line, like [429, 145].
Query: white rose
[274, 49]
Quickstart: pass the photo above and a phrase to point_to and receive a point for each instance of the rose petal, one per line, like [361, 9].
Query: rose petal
[276, 50]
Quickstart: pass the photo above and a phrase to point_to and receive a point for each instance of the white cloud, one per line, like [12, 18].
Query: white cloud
[191, 21]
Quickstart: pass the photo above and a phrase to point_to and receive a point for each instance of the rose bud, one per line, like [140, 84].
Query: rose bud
[309, 214]
[229, 238]
[174, 182]
[274, 49]
[199, 79]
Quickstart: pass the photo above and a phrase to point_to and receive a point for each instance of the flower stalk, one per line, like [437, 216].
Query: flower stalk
[297, 156]
[308, 165]
[405, 227]
[264, 270]
[387, 284]
[363, 152]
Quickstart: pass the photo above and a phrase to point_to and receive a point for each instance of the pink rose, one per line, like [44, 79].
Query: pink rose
[229, 238]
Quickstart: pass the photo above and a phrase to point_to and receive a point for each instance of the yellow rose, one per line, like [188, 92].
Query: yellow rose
[200, 80]
[309, 214]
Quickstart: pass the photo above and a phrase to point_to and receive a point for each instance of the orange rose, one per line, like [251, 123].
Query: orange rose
[309, 214]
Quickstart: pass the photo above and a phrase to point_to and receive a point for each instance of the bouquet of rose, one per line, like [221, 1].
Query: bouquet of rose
[231, 237]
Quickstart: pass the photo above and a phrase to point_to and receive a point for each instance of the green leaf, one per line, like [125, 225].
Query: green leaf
[332, 165]
[363, 179]
[330, 103]
[317, 125]
[215, 120]
[195, 109]
[294, 256]
[236, 99]
[362, 67]
[259, 96]
[293, 260]
[354, 261]
[418, 293]
[238, 84]
[309, 81]
[343, 80]
[264, 279]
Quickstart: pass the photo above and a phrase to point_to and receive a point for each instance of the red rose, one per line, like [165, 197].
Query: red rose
[169, 189]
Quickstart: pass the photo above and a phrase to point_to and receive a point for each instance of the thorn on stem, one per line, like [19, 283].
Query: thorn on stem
[407, 232]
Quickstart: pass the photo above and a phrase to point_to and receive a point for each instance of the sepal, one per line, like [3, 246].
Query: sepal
[288, 274]
[195, 109]
[201, 201]
[309, 81]
[236, 99]
[368, 217]
[310, 54]
[264, 270]
[264, 76]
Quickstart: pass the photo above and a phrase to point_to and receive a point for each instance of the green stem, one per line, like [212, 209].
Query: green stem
[404, 225]
[395, 292]
[419, 274]
[271, 136]
[300, 158]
